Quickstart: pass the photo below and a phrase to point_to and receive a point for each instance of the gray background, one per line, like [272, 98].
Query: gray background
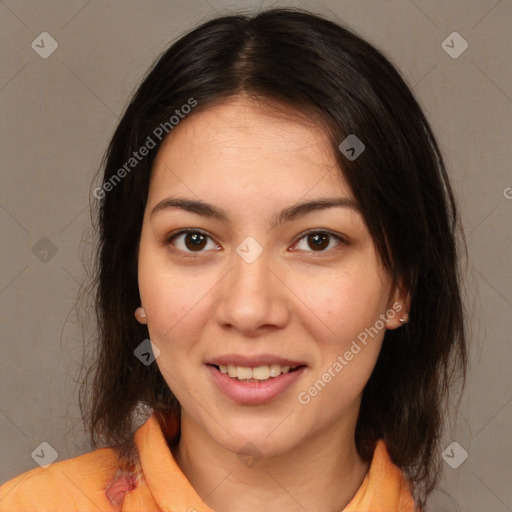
[58, 114]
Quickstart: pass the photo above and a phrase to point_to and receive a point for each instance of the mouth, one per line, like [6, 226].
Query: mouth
[256, 380]
[255, 374]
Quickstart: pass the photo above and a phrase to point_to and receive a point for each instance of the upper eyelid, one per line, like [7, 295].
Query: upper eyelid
[169, 237]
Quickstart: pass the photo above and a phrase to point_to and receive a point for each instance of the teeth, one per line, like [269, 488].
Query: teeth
[258, 373]
[242, 372]
[231, 370]
[263, 372]
[275, 370]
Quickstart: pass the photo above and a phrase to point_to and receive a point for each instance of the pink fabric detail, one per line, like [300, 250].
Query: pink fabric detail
[123, 482]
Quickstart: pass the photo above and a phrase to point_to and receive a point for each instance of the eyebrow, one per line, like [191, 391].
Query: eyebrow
[288, 214]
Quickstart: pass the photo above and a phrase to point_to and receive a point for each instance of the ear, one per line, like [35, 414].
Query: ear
[140, 315]
[399, 305]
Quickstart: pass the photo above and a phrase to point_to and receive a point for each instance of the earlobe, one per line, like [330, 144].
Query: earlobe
[399, 317]
[140, 315]
[403, 319]
[400, 307]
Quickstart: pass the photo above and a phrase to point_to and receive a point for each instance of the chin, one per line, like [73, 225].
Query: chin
[256, 440]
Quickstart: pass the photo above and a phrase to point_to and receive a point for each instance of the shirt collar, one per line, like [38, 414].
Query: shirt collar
[384, 488]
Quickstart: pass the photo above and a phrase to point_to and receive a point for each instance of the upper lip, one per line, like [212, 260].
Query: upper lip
[253, 361]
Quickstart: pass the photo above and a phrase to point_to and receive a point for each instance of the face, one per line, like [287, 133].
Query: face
[244, 288]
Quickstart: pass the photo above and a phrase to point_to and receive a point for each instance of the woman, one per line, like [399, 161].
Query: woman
[276, 213]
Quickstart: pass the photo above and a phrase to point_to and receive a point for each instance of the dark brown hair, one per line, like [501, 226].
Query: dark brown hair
[307, 63]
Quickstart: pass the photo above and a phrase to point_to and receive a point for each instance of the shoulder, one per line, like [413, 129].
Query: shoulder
[73, 484]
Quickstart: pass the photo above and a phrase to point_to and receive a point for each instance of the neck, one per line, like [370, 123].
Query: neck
[321, 475]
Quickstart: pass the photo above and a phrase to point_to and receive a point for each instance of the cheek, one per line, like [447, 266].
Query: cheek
[347, 357]
[171, 309]
[175, 302]
[164, 297]
[342, 304]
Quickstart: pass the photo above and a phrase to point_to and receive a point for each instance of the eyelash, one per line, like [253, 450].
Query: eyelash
[192, 254]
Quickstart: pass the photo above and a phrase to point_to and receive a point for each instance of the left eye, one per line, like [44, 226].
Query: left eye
[317, 240]
[196, 241]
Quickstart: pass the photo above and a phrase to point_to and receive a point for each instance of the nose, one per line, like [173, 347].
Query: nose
[252, 298]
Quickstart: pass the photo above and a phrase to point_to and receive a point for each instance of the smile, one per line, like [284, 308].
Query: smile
[255, 374]
[254, 385]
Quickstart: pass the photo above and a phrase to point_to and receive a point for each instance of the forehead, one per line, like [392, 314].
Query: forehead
[247, 149]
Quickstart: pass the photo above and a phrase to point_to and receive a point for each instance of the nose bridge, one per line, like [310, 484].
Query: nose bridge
[251, 271]
[250, 296]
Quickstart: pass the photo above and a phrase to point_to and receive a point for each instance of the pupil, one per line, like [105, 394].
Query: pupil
[317, 237]
[197, 240]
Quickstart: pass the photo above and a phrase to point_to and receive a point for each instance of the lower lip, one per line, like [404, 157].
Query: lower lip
[253, 393]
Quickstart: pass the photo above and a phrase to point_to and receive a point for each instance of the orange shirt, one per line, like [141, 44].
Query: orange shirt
[79, 484]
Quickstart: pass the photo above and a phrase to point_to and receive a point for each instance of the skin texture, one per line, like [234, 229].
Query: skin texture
[307, 305]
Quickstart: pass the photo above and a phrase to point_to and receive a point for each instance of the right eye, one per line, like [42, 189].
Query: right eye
[189, 240]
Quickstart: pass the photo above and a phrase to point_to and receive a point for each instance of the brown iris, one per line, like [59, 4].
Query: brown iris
[197, 241]
[320, 241]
